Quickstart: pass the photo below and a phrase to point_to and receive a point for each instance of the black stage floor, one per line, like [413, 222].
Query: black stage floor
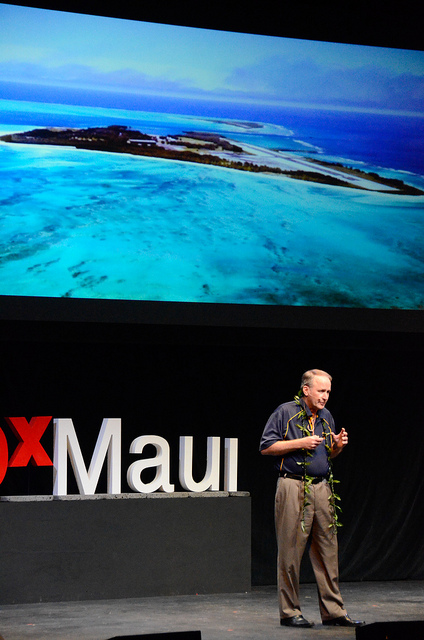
[248, 616]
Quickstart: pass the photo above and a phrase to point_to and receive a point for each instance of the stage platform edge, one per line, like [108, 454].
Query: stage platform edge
[58, 549]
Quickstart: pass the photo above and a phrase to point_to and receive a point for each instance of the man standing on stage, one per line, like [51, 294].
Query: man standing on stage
[301, 435]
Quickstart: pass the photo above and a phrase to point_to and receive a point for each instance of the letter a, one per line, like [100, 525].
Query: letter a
[161, 462]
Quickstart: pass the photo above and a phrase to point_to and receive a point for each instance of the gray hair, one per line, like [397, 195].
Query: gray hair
[308, 377]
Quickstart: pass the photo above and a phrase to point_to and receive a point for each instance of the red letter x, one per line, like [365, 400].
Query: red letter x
[29, 448]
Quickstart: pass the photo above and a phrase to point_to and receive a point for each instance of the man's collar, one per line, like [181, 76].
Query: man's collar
[305, 406]
[307, 409]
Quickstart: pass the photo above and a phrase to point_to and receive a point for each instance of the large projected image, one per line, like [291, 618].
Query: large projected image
[143, 161]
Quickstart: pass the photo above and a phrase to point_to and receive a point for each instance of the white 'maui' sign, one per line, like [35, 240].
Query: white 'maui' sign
[109, 446]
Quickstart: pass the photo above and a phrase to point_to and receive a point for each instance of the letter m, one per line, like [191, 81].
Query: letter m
[108, 443]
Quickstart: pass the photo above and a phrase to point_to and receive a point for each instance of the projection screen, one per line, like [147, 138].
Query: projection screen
[154, 166]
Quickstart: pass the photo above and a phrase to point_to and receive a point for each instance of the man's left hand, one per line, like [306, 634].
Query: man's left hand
[340, 440]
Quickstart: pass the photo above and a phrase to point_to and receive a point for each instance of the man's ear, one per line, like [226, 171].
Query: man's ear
[305, 390]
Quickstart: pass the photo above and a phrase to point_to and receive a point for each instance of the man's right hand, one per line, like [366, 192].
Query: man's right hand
[311, 442]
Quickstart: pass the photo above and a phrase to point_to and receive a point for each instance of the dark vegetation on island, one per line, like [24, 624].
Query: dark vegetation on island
[400, 187]
[199, 147]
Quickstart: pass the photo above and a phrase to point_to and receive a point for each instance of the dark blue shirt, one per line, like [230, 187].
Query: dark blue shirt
[284, 423]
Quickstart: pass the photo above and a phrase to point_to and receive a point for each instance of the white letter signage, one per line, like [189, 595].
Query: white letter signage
[108, 443]
[231, 464]
[160, 461]
[108, 447]
[211, 479]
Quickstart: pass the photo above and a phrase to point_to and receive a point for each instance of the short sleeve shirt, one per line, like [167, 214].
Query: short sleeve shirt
[285, 423]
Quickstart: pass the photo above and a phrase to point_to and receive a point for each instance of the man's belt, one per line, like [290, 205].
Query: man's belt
[293, 476]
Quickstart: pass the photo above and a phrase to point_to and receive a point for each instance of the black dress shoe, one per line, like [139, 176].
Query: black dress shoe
[296, 621]
[344, 621]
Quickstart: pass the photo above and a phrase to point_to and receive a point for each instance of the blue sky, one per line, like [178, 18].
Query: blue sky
[61, 49]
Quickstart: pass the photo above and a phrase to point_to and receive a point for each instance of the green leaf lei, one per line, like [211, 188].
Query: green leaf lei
[333, 498]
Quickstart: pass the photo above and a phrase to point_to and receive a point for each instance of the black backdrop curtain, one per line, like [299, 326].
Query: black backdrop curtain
[203, 381]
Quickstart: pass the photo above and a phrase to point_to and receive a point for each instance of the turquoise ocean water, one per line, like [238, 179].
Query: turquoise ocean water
[84, 224]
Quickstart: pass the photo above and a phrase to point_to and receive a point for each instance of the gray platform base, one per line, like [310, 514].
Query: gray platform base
[126, 546]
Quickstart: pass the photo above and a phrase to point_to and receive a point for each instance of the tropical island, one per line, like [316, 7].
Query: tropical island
[213, 149]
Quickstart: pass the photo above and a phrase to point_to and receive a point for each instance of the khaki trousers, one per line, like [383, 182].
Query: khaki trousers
[291, 541]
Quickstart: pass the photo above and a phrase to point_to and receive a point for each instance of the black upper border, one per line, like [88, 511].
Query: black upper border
[378, 23]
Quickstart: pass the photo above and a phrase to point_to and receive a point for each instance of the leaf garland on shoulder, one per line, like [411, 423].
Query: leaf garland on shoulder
[333, 498]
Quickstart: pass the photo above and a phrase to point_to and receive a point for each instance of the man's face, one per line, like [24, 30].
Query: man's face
[317, 394]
